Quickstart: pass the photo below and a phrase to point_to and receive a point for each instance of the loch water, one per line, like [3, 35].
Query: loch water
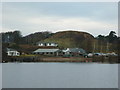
[59, 75]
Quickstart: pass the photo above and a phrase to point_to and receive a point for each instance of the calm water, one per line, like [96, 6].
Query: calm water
[59, 75]
[0, 76]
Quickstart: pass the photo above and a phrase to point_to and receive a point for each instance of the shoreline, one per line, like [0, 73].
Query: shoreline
[59, 62]
[63, 59]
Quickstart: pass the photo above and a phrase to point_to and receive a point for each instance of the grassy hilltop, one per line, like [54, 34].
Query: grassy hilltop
[72, 39]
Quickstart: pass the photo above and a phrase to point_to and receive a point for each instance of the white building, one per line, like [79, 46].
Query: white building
[47, 44]
[12, 52]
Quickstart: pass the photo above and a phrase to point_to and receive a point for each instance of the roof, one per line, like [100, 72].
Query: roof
[10, 49]
[74, 50]
[46, 50]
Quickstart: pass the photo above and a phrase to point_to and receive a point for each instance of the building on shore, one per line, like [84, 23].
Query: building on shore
[74, 51]
[53, 52]
[12, 52]
[58, 52]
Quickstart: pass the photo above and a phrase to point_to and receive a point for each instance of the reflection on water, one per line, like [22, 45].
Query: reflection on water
[60, 75]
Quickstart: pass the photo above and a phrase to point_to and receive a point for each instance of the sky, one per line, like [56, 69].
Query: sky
[29, 17]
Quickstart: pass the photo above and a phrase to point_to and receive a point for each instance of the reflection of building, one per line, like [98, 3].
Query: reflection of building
[47, 44]
[47, 52]
[12, 52]
[74, 51]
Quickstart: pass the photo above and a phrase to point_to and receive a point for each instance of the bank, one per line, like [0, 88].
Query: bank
[35, 58]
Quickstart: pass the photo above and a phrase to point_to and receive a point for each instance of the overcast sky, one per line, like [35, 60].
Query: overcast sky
[28, 17]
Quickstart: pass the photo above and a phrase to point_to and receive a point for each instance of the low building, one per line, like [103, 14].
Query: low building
[47, 44]
[74, 51]
[54, 52]
[12, 52]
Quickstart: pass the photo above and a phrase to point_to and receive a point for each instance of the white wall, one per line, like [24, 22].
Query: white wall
[13, 53]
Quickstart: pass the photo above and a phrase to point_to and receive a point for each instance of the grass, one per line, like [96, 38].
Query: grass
[26, 55]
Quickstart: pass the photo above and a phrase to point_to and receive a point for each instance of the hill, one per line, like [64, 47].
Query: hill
[35, 37]
[72, 39]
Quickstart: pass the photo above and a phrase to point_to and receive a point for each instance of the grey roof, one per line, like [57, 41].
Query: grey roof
[46, 50]
[10, 49]
[75, 50]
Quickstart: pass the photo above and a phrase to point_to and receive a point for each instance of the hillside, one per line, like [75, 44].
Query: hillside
[72, 39]
[35, 37]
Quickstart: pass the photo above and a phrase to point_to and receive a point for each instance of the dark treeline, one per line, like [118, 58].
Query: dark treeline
[36, 37]
[16, 37]
[107, 43]
[111, 38]
[12, 37]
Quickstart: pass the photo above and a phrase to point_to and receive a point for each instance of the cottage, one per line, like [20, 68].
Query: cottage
[12, 52]
[74, 52]
[54, 52]
[47, 44]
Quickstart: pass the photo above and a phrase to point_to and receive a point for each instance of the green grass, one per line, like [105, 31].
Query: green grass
[30, 55]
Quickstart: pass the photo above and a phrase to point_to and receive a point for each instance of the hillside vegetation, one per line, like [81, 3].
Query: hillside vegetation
[72, 39]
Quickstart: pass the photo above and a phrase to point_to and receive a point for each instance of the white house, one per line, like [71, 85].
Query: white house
[12, 52]
[47, 44]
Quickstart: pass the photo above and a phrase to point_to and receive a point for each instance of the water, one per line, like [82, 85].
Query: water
[0, 76]
[60, 75]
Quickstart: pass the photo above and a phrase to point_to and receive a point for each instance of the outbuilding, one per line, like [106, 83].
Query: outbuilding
[54, 52]
[12, 52]
[74, 51]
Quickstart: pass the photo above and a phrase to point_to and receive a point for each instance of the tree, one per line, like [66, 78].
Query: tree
[112, 37]
[101, 37]
[17, 36]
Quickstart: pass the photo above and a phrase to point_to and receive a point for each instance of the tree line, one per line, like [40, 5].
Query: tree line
[107, 43]
[101, 43]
